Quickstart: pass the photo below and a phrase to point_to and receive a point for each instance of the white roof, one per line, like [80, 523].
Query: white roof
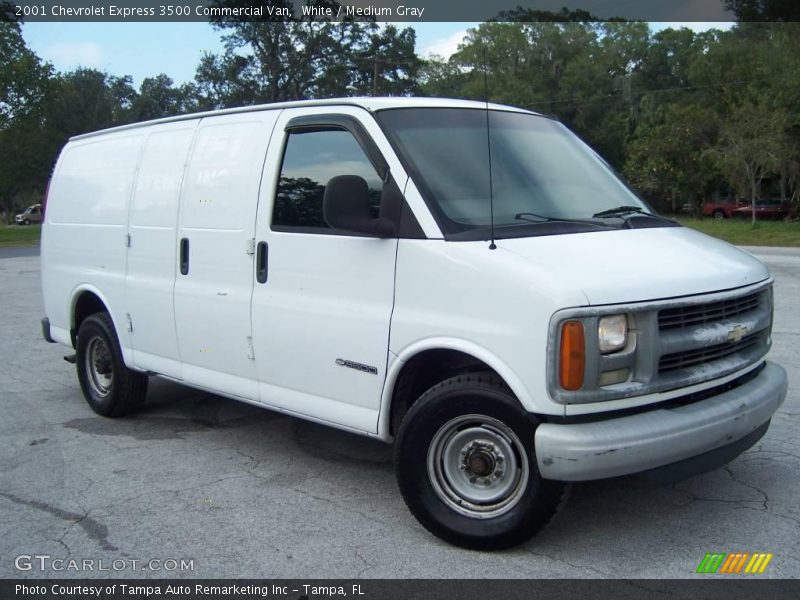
[368, 103]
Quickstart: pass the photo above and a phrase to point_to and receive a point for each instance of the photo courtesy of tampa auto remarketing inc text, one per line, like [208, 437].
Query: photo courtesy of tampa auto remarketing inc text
[383, 299]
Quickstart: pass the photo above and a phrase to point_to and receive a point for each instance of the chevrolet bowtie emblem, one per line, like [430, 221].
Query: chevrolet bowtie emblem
[736, 334]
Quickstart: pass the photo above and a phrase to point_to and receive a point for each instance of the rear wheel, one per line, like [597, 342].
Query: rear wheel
[466, 465]
[110, 388]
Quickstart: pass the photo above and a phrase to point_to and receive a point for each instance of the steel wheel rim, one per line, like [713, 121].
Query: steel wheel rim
[477, 466]
[99, 366]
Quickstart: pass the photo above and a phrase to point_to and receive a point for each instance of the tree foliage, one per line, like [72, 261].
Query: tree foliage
[686, 116]
[668, 109]
[263, 62]
[23, 76]
[278, 60]
[764, 10]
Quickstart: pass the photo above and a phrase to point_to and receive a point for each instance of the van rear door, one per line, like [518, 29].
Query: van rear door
[215, 267]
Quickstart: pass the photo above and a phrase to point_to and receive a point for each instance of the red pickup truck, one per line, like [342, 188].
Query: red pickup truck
[722, 209]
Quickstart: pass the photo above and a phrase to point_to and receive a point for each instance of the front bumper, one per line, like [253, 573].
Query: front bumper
[648, 440]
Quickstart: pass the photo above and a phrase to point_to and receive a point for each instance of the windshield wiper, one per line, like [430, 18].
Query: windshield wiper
[526, 216]
[619, 211]
[623, 211]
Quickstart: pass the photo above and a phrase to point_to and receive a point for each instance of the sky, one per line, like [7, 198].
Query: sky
[147, 49]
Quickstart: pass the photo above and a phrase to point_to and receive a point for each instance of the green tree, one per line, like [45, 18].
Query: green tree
[24, 151]
[271, 61]
[751, 145]
[23, 76]
[666, 159]
[159, 97]
[86, 100]
[530, 15]
[583, 73]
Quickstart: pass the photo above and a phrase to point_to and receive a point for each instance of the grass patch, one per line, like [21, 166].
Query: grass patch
[742, 232]
[19, 235]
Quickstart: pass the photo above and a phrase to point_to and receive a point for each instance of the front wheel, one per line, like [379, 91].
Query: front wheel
[719, 215]
[110, 388]
[466, 465]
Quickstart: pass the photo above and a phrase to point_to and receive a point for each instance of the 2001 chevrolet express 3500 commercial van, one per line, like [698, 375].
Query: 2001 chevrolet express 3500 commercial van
[334, 260]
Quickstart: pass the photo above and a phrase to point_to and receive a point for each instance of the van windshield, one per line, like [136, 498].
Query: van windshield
[544, 180]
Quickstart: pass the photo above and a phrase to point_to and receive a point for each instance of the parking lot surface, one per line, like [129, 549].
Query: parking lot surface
[238, 491]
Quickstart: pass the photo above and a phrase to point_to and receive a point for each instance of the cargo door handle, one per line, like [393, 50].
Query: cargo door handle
[184, 256]
[262, 254]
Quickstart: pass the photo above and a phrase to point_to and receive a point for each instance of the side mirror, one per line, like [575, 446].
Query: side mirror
[345, 206]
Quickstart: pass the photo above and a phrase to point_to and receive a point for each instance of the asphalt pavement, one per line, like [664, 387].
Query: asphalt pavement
[18, 251]
[237, 491]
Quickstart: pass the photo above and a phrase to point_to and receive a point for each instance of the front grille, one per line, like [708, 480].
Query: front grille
[697, 314]
[699, 356]
[678, 343]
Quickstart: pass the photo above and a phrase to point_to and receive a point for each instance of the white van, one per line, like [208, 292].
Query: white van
[470, 282]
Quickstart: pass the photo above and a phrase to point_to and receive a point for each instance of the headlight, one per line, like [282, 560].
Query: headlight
[612, 333]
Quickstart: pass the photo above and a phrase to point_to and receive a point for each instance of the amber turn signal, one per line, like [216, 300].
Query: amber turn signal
[573, 355]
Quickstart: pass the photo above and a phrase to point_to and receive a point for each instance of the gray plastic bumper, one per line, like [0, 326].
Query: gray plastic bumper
[585, 451]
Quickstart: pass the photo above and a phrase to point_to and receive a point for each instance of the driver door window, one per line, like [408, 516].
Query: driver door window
[310, 160]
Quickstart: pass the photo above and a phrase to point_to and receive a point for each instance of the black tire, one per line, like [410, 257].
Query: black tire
[483, 400]
[26, 222]
[719, 215]
[110, 388]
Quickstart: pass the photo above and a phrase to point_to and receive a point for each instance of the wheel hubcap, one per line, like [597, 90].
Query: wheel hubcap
[478, 466]
[99, 366]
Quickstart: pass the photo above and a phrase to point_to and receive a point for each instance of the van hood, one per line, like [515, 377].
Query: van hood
[635, 265]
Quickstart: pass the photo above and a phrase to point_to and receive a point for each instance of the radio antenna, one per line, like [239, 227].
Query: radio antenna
[492, 245]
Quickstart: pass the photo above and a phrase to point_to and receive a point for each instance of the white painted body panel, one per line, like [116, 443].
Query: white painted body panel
[211, 178]
[497, 304]
[83, 240]
[634, 265]
[217, 216]
[492, 304]
[327, 297]
[152, 255]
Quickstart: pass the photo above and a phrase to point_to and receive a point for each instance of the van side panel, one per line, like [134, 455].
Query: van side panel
[83, 244]
[152, 255]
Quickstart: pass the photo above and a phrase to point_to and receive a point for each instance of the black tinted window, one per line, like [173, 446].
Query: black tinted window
[310, 160]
